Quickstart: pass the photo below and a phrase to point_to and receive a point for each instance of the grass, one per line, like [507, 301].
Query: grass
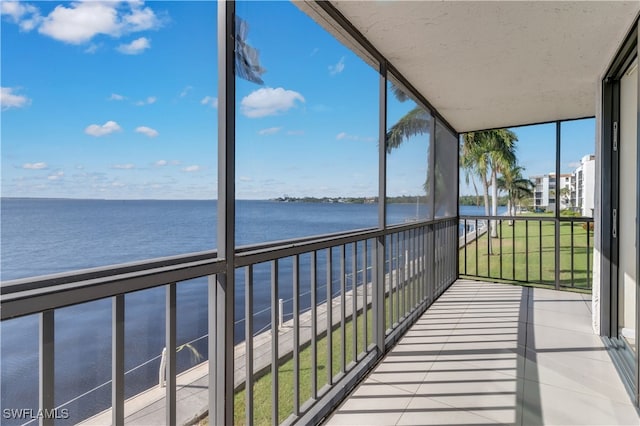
[262, 388]
[514, 259]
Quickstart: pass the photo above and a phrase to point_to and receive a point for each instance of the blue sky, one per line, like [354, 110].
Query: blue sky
[119, 100]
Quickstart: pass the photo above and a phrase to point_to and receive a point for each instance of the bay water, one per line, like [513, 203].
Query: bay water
[44, 236]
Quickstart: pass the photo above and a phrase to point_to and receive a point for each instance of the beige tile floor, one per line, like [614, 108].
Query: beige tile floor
[488, 353]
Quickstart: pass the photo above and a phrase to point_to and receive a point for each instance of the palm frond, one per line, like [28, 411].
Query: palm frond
[415, 122]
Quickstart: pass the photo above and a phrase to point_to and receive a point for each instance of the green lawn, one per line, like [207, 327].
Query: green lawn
[529, 254]
[262, 389]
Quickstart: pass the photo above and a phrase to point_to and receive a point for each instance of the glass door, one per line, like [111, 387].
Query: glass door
[627, 212]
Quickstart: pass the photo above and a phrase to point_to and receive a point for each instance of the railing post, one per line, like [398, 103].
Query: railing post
[221, 399]
[47, 365]
[117, 360]
[378, 294]
[377, 291]
[170, 342]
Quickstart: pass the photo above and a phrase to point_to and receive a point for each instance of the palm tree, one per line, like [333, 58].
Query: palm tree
[487, 152]
[565, 195]
[490, 152]
[516, 187]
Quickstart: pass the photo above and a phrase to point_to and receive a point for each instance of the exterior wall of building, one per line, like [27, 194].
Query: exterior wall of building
[579, 186]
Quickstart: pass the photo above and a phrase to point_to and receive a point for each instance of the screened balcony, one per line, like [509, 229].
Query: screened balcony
[394, 319]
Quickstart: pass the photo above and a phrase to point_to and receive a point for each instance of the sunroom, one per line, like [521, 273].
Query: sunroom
[405, 310]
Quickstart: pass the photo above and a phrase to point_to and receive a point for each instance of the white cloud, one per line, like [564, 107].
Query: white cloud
[148, 131]
[107, 128]
[270, 131]
[8, 99]
[150, 100]
[245, 179]
[34, 166]
[25, 15]
[82, 21]
[128, 166]
[193, 168]
[268, 101]
[116, 97]
[210, 100]
[135, 47]
[337, 68]
[56, 176]
[92, 48]
[161, 163]
[346, 136]
[185, 91]
[574, 165]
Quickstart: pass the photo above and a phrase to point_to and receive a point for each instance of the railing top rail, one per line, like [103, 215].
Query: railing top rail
[529, 218]
[28, 301]
[31, 295]
[257, 254]
[32, 283]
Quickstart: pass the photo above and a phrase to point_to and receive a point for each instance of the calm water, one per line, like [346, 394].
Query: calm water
[47, 236]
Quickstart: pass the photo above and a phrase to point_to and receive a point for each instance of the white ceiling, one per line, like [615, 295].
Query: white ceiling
[488, 64]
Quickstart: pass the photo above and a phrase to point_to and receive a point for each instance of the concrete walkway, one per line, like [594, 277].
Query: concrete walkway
[488, 353]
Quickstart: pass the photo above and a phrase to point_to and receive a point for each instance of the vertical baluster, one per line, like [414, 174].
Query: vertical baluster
[399, 270]
[489, 224]
[412, 286]
[329, 316]
[314, 326]
[588, 256]
[117, 359]
[343, 313]
[274, 344]
[248, 341]
[540, 247]
[47, 364]
[526, 250]
[423, 262]
[465, 246]
[365, 301]
[296, 335]
[476, 241]
[402, 284]
[354, 298]
[500, 239]
[513, 250]
[572, 284]
[378, 293]
[170, 343]
[389, 298]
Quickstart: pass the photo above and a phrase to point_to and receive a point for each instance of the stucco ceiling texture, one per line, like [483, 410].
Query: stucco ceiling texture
[489, 64]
